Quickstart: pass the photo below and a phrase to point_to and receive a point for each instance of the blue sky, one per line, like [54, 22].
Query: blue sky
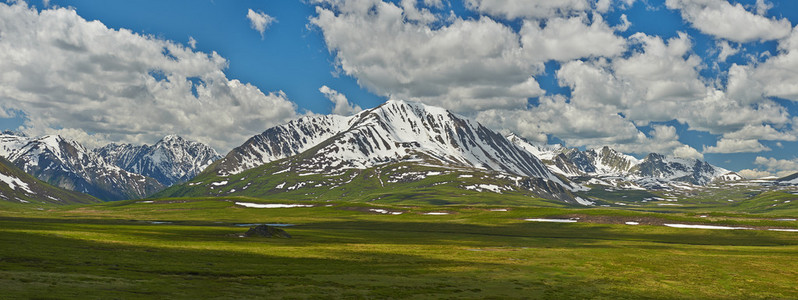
[524, 75]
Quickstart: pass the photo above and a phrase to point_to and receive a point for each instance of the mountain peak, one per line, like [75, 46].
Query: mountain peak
[172, 138]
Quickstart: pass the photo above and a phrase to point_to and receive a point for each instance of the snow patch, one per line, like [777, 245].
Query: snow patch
[256, 205]
[14, 182]
[584, 202]
[552, 220]
[219, 183]
[704, 226]
[385, 212]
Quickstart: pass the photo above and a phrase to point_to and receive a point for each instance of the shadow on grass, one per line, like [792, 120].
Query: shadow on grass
[423, 233]
[37, 266]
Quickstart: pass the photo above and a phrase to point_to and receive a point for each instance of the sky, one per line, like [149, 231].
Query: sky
[710, 79]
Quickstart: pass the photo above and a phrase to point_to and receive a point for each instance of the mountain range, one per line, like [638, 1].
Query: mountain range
[407, 143]
[114, 172]
[171, 160]
[397, 145]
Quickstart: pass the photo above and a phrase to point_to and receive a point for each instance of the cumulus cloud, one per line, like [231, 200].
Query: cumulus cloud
[192, 42]
[259, 21]
[535, 9]
[342, 105]
[625, 24]
[726, 145]
[686, 151]
[754, 174]
[762, 7]
[779, 167]
[733, 22]
[82, 79]
[725, 50]
[775, 77]
[565, 39]
[466, 65]
[761, 132]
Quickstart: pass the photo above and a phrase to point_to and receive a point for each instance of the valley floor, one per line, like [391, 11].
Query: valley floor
[191, 248]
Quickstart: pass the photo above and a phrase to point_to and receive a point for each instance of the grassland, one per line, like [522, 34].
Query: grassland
[190, 248]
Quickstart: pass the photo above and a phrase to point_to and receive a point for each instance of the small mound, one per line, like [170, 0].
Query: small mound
[267, 231]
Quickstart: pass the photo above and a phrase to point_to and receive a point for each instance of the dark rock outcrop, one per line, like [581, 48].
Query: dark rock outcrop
[267, 231]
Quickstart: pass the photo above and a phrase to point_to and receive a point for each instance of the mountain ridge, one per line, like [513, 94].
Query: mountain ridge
[171, 160]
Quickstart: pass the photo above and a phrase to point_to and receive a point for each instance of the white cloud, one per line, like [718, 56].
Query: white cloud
[625, 24]
[413, 13]
[192, 42]
[780, 167]
[762, 7]
[686, 151]
[775, 77]
[535, 9]
[80, 78]
[342, 105]
[761, 132]
[466, 66]
[260, 21]
[726, 50]
[754, 174]
[725, 145]
[570, 38]
[589, 127]
[733, 22]
[434, 3]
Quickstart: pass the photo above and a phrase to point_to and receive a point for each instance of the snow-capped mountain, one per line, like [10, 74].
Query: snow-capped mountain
[681, 169]
[398, 130]
[789, 179]
[283, 141]
[395, 131]
[67, 164]
[606, 161]
[171, 160]
[392, 137]
[16, 186]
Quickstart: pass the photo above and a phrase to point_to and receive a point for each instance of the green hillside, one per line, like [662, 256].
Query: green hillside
[20, 188]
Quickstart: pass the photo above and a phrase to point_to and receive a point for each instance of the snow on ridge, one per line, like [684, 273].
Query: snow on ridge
[14, 182]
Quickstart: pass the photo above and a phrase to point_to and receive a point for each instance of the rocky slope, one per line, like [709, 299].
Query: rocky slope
[16, 186]
[67, 164]
[395, 133]
[171, 160]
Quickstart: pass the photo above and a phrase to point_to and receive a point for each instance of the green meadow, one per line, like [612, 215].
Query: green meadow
[189, 248]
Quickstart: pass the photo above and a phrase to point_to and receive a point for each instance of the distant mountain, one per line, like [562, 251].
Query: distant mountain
[171, 160]
[789, 179]
[396, 133]
[16, 186]
[606, 161]
[67, 164]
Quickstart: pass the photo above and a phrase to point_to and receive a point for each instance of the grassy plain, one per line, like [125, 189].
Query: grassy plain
[190, 248]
